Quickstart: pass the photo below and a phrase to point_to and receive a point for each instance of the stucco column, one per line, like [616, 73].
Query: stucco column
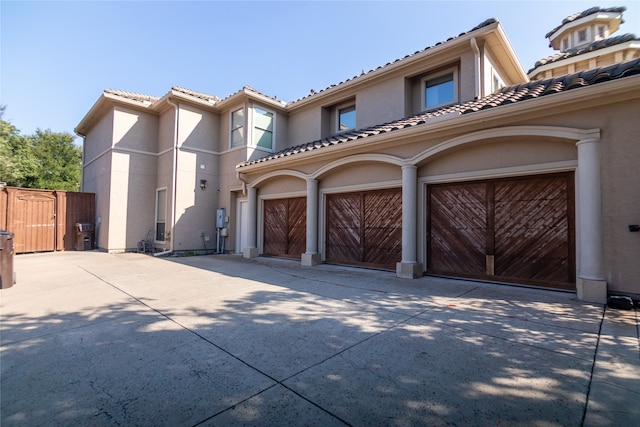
[590, 283]
[311, 256]
[409, 267]
[251, 251]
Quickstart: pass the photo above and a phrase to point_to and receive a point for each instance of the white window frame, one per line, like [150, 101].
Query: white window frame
[156, 222]
[239, 127]
[341, 107]
[423, 83]
[495, 78]
[565, 43]
[254, 143]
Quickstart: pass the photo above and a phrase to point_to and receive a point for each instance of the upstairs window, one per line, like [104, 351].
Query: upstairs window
[582, 36]
[496, 81]
[346, 118]
[601, 32]
[439, 89]
[565, 43]
[263, 128]
[237, 128]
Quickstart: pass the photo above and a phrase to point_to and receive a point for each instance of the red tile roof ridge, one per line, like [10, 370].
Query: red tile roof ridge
[132, 95]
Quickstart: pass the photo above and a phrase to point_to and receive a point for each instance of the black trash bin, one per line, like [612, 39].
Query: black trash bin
[7, 275]
[85, 236]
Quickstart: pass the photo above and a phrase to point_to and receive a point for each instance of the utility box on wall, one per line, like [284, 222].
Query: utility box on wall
[221, 215]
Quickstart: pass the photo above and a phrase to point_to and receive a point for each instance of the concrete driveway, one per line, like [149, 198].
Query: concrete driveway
[90, 338]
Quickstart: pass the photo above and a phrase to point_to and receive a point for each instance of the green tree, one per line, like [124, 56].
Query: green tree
[47, 160]
[59, 161]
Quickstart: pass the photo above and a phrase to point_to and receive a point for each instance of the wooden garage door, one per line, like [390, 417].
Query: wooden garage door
[365, 228]
[285, 225]
[517, 230]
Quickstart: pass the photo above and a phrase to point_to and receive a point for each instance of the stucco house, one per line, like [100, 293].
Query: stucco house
[448, 161]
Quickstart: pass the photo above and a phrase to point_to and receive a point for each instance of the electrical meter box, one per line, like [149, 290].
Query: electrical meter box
[221, 214]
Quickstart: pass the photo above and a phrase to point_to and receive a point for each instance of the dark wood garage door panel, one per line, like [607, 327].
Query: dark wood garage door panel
[532, 229]
[285, 227]
[275, 227]
[516, 229]
[383, 228]
[458, 228]
[297, 226]
[343, 228]
[365, 228]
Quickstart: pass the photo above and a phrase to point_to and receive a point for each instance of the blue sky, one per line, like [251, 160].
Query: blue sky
[57, 57]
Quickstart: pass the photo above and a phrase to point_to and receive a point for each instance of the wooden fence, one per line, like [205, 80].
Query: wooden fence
[44, 220]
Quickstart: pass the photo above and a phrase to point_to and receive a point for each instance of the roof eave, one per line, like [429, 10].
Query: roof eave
[103, 104]
[246, 94]
[624, 89]
[403, 63]
[631, 44]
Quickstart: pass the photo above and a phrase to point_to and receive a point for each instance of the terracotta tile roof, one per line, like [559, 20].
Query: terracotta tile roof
[505, 96]
[250, 89]
[597, 45]
[477, 27]
[584, 13]
[132, 95]
[195, 94]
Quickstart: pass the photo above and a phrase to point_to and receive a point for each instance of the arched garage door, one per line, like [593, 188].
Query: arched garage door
[518, 230]
[285, 227]
[365, 228]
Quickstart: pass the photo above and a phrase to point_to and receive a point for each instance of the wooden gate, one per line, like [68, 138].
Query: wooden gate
[285, 227]
[365, 228]
[34, 221]
[517, 229]
[44, 220]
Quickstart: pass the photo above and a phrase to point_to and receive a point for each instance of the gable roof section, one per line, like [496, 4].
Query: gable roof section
[597, 45]
[505, 96]
[364, 74]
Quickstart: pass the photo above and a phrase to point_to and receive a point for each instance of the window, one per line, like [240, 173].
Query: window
[565, 43]
[161, 214]
[347, 118]
[582, 36]
[237, 128]
[601, 31]
[263, 128]
[440, 89]
[496, 81]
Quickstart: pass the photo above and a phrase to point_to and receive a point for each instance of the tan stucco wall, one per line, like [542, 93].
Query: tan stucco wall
[134, 130]
[282, 185]
[304, 126]
[96, 180]
[621, 194]
[499, 153]
[166, 132]
[99, 138]
[358, 174]
[198, 128]
[389, 93]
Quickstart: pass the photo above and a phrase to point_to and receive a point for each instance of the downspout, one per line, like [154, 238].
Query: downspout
[478, 79]
[174, 178]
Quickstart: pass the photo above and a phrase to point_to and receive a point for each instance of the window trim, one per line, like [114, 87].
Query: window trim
[254, 144]
[432, 76]
[156, 222]
[232, 129]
